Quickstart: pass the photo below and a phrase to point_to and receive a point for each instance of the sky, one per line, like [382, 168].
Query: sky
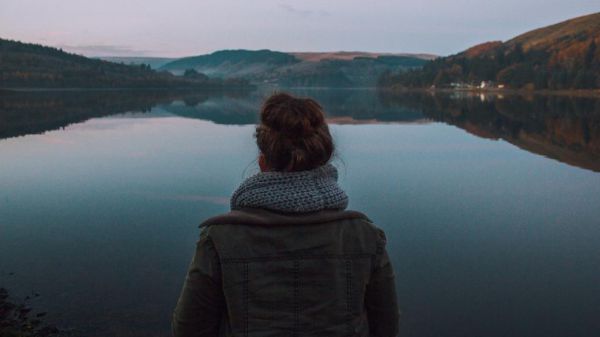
[177, 28]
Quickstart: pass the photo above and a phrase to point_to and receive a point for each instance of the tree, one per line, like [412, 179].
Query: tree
[193, 74]
[517, 54]
[589, 55]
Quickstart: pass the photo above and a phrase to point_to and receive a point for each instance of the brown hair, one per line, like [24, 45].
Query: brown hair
[292, 134]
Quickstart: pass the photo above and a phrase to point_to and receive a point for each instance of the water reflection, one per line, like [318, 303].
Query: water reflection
[487, 240]
[23, 113]
[343, 106]
[559, 127]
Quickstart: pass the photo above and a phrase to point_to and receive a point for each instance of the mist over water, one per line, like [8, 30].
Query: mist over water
[490, 203]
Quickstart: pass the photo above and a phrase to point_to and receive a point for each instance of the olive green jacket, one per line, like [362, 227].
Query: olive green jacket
[259, 273]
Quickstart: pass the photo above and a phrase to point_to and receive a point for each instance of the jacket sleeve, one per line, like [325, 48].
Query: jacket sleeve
[380, 298]
[201, 303]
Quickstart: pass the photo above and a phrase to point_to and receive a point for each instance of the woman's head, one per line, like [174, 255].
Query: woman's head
[292, 134]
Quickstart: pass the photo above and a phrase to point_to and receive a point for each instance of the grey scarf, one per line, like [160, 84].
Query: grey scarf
[292, 192]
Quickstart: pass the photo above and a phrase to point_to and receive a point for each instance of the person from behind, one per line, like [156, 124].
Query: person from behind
[289, 259]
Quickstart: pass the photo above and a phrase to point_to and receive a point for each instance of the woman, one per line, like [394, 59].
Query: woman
[289, 260]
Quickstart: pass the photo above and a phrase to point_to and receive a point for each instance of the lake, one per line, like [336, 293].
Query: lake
[491, 203]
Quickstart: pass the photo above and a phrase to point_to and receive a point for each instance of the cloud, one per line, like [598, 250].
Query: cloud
[303, 12]
[104, 50]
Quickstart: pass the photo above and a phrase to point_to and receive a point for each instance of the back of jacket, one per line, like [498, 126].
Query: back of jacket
[258, 273]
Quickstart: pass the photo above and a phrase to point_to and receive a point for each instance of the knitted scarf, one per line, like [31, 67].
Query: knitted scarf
[292, 192]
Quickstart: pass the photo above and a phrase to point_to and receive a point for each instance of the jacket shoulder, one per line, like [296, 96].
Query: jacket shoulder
[338, 230]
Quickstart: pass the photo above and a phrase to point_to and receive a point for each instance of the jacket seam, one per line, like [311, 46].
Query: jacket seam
[296, 296]
[348, 269]
[246, 300]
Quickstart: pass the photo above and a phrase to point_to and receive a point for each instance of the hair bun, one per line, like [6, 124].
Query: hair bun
[293, 134]
[292, 116]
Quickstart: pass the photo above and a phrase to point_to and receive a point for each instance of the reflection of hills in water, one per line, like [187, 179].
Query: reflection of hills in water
[23, 113]
[559, 127]
[564, 128]
[342, 106]
[221, 110]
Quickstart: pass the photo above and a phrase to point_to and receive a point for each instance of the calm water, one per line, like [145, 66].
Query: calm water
[491, 204]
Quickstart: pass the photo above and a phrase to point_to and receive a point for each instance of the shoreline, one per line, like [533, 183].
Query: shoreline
[493, 91]
[521, 92]
[21, 89]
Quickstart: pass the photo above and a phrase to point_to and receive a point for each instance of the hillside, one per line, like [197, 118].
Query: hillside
[232, 63]
[153, 62]
[341, 69]
[562, 35]
[357, 72]
[350, 55]
[24, 65]
[561, 56]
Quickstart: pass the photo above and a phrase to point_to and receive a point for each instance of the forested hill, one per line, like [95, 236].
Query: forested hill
[341, 69]
[561, 56]
[25, 65]
[232, 57]
[153, 62]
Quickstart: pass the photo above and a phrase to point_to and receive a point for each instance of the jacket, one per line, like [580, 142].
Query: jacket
[259, 273]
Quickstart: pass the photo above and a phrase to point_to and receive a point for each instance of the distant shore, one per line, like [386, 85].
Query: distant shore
[496, 91]
[192, 88]
[490, 91]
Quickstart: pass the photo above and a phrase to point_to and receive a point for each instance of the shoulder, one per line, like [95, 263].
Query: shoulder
[378, 232]
[238, 227]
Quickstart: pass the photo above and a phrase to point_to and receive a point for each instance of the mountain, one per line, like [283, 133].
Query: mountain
[25, 65]
[350, 55]
[338, 69]
[153, 62]
[356, 72]
[573, 33]
[232, 63]
[561, 56]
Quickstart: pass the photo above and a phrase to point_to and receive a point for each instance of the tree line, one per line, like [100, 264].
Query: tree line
[24, 65]
[509, 66]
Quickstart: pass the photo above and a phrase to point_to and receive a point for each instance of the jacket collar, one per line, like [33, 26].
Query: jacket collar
[266, 218]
